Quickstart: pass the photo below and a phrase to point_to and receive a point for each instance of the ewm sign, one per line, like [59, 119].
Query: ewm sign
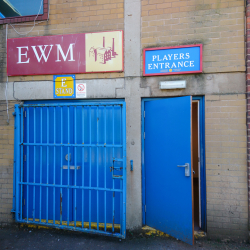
[185, 59]
[66, 54]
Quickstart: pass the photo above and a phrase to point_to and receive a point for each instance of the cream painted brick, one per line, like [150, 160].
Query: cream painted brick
[229, 186]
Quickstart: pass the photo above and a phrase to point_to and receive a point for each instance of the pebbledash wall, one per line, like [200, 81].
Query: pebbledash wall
[219, 26]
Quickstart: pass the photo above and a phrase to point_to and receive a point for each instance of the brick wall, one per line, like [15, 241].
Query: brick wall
[226, 165]
[6, 162]
[217, 24]
[248, 98]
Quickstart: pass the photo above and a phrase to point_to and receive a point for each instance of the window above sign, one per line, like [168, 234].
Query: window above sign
[15, 11]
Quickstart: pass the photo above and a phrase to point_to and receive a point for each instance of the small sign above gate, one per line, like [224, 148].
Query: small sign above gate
[64, 86]
[186, 59]
[81, 91]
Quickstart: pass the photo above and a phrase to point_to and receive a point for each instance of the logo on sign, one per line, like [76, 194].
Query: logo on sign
[64, 86]
[104, 51]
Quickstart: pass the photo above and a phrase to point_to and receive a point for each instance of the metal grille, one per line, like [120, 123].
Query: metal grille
[70, 166]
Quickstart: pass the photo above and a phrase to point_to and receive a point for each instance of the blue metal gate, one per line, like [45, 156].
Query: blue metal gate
[70, 166]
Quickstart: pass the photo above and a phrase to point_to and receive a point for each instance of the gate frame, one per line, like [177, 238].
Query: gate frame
[18, 161]
[201, 100]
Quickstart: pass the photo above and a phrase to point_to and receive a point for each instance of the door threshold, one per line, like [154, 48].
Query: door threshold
[151, 231]
[199, 234]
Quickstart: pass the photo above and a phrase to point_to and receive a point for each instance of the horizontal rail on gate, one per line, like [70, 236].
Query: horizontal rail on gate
[70, 145]
[73, 104]
[87, 230]
[68, 186]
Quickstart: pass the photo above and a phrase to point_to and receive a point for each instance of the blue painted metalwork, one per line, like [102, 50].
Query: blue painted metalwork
[16, 161]
[167, 145]
[202, 159]
[68, 148]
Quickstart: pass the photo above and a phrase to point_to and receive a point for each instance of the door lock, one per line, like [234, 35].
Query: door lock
[187, 168]
[68, 157]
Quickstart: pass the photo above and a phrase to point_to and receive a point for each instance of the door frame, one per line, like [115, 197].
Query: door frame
[201, 100]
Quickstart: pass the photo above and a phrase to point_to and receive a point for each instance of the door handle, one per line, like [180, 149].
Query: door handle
[187, 168]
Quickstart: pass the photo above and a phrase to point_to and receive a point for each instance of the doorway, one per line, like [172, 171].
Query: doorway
[196, 165]
[174, 199]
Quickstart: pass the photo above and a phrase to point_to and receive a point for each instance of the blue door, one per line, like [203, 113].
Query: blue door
[168, 174]
[71, 166]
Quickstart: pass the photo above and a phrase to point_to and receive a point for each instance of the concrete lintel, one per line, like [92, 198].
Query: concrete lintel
[43, 90]
[200, 84]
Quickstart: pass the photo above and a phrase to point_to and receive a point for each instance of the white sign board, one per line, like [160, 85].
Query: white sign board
[81, 91]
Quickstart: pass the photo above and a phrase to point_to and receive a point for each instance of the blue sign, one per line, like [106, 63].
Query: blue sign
[173, 60]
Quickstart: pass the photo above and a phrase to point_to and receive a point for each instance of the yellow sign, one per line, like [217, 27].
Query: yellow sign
[64, 86]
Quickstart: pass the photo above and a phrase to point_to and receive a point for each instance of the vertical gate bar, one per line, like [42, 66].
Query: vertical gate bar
[105, 169]
[124, 170]
[82, 166]
[19, 127]
[68, 173]
[41, 151]
[97, 165]
[113, 186]
[28, 162]
[16, 142]
[21, 139]
[47, 177]
[61, 168]
[75, 165]
[90, 168]
[34, 197]
[54, 167]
